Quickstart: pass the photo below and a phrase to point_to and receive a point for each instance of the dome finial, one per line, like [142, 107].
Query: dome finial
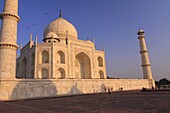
[60, 15]
[140, 29]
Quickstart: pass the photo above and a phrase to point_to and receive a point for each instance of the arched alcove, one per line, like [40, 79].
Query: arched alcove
[44, 56]
[84, 69]
[101, 73]
[62, 73]
[32, 74]
[77, 69]
[45, 73]
[32, 59]
[61, 56]
[24, 67]
[100, 61]
[17, 70]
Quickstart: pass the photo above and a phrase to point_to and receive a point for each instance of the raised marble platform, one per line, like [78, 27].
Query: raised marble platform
[36, 88]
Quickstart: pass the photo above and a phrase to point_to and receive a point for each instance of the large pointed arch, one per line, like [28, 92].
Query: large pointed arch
[17, 69]
[84, 70]
[32, 59]
[24, 67]
[32, 74]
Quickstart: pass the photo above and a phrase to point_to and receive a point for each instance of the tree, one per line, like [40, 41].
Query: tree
[163, 81]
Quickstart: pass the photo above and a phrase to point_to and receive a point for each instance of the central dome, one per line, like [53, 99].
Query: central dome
[60, 27]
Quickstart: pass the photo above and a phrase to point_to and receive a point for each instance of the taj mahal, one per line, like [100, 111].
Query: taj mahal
[61, 56]
[60, 65]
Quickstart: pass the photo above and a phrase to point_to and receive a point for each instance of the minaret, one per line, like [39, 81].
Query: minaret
[144, 55]
[8, 39]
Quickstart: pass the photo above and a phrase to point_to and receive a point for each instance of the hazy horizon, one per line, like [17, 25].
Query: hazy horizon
[114, 24]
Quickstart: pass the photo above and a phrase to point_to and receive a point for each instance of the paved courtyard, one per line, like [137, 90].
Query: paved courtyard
[117, 102]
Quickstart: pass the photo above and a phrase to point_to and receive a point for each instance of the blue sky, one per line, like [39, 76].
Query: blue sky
[114, 24]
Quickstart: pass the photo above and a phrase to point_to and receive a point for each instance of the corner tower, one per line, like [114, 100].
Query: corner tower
[8, 39]
[144, 55]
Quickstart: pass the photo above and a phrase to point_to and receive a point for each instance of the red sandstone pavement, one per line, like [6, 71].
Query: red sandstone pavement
[117, 102]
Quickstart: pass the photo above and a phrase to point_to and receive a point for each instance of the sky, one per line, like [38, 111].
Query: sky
[114, 24]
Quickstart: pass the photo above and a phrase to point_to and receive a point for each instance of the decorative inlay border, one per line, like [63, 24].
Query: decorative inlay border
[4, 14]
[143, 51]
[3, 45]
[141, 36]
[145, 65]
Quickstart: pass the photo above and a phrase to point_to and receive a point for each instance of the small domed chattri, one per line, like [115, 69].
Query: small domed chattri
[51, 35]
[141, 31]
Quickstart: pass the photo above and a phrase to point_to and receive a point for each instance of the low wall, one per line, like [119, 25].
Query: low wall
[32, 88]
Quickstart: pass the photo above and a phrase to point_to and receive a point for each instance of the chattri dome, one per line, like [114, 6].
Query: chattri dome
[51, 35]
[141, 32]
[61, 27]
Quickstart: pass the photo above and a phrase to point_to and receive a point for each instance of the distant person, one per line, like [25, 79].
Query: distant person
[152, 88]
[109, 90]
[158, 86]
[143, 89]
[121, 89]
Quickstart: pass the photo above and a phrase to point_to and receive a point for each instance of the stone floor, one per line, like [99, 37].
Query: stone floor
[117, 102]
